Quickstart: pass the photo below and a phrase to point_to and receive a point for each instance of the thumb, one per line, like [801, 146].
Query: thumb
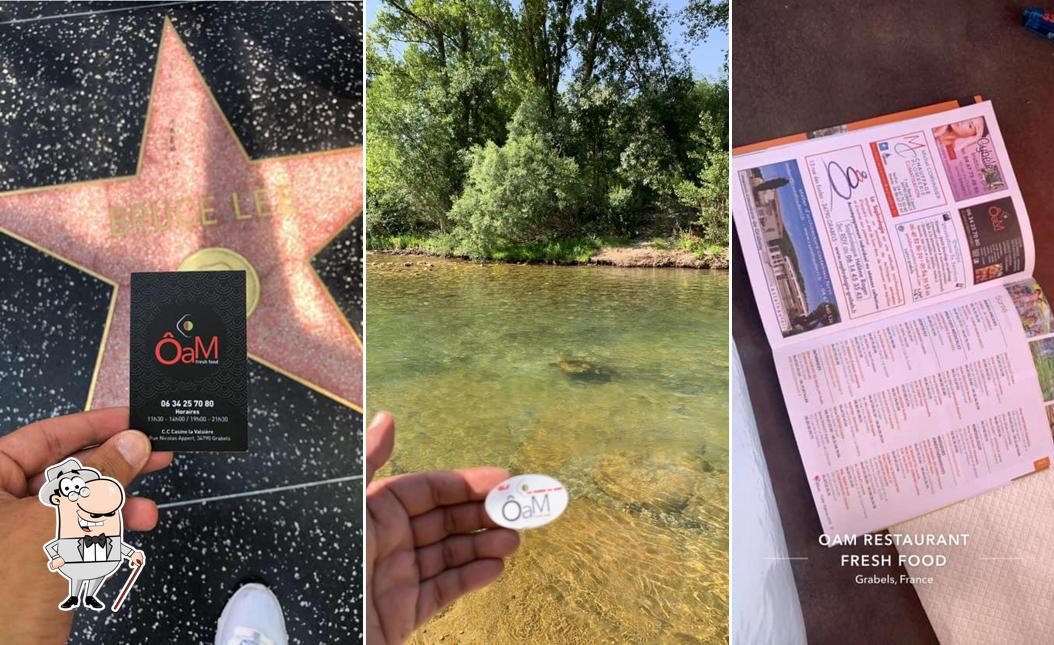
[380, 440]
[122, 456]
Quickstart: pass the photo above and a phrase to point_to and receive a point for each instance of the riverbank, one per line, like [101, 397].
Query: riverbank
[651, 254]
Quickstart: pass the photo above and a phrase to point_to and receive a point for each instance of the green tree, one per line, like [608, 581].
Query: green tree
[499, 123]
[703, 16]
[436, 86]
[705, 190]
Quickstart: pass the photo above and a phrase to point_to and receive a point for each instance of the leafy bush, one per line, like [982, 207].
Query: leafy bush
[566, 250]
[518, 194]
[388, 205]
[437, 243]
[650, 168]
[626, 209]
[660, 243]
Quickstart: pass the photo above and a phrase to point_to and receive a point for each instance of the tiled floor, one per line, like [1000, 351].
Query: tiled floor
[289, 511]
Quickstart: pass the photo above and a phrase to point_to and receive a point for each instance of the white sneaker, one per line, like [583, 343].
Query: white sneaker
[252, 617]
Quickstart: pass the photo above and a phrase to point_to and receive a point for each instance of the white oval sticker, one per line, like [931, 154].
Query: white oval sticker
[526, 501]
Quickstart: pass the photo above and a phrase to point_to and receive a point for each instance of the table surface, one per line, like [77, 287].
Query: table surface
[802, 65]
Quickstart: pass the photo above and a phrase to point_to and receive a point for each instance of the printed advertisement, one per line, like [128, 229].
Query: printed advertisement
[790, 252]
[994, 236]
[969, 157]
[908, 173]
[1032, 307]
[1043, 356]
[863, 225]
[933, 256]
[858, 232]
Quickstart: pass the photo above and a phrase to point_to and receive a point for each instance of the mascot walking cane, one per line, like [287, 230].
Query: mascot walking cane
[88, 545]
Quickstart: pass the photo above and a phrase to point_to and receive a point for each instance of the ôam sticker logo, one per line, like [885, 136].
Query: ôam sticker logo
[526, 501]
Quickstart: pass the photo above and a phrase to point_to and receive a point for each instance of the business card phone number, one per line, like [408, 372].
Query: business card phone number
[187, 403]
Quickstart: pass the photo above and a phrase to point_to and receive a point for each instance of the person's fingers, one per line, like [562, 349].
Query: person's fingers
[140, 514]
[458, 550]
[43, 443]
[421, 492]
[387, 517]
[122, 456]
[440, 522]
[439, 591]
[380, 440]
[157, 461]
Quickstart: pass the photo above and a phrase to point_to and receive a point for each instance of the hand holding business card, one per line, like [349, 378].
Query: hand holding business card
[188, 382]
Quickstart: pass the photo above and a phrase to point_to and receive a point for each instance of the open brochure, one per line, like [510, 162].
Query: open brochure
[892, 267]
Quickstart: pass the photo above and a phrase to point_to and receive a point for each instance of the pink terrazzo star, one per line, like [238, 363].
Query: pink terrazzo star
[197, 188]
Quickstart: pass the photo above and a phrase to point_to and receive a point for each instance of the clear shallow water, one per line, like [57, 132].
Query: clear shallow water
[614, 381]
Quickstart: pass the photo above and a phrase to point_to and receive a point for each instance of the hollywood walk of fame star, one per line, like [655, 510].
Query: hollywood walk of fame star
[196, 188]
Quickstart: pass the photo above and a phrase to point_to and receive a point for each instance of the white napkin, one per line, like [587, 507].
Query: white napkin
[999, 588]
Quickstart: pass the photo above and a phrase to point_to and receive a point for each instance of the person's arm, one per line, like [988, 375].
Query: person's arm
[429, 540]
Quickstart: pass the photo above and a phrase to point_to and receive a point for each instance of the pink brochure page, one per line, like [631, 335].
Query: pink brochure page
[908, 414]
[848, 229]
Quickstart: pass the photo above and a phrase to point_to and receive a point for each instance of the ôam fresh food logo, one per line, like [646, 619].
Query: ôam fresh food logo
[185, 325]
[195, 350]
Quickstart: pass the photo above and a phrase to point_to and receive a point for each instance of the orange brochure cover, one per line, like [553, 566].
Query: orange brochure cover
[855, 125]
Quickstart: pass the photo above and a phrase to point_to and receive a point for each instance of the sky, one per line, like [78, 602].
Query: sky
[706, 60]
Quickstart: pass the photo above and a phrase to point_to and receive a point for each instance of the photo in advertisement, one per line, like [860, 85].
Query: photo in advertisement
[785, 232]
[969, 156]
[1032, 306]
[1043, 356]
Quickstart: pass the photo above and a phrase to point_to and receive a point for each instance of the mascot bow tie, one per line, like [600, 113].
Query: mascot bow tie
[100, 540]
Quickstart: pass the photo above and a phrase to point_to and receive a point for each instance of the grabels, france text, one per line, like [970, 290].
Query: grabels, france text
[170, 351]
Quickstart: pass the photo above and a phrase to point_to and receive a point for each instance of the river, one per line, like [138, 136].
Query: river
[614, 381]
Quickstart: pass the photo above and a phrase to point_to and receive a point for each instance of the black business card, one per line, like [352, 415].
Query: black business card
[188, 381]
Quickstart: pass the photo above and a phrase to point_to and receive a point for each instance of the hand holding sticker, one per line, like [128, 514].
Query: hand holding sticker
[526, 501]
[428, 539]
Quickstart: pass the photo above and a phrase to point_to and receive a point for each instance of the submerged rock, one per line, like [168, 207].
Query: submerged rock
[579, 369]
[673, 490]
